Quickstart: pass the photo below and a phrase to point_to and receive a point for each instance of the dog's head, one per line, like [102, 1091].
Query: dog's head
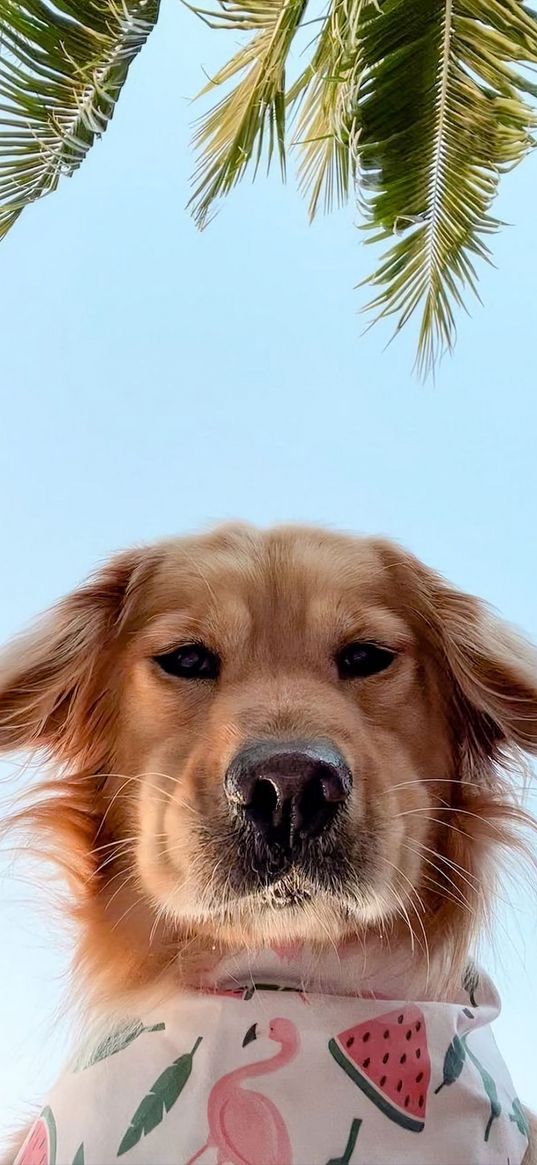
[264, 736]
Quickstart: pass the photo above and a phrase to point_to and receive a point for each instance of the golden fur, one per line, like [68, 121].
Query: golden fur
[133, 810]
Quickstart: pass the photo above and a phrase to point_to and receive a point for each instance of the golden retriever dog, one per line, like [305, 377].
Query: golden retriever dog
[278, 739]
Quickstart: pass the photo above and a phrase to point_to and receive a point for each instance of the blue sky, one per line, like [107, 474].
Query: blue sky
[154, 380]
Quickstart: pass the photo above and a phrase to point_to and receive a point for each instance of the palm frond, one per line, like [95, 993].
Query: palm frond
[325, 95]
[420, 106]
[251, 117]
[443, 111]
[62, 67]
[325, 100]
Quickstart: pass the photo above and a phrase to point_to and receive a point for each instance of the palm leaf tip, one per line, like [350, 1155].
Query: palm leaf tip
[444, 110]
[249, 122]
[62, 68]
[325, 98]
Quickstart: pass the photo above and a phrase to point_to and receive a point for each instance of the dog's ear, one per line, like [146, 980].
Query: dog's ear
[494, 668]
[55, 679]
[491, 669]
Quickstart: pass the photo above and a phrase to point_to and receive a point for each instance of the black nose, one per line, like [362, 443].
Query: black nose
[288, 790]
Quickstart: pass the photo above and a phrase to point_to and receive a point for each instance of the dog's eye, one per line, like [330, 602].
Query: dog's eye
[192, 661]
[359, 660]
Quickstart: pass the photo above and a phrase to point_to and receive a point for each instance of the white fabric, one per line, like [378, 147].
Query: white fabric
[341, 1073]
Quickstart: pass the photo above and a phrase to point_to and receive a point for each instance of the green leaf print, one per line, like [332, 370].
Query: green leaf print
[489, 1086]
[161, 1098]
[78, 1158]
[470, 982]
[117, 1042]
[518, 1116]
[349, 1147]
[453, 1063]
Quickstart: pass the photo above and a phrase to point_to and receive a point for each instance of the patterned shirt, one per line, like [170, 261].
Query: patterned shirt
[287, 1058]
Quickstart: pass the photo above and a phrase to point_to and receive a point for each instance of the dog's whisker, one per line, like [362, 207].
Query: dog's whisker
[119, 855]
[414, 893]
[111, 804]
[455, 780]
[442, 873]
[401, 874]
[454, 810]
[403, 914]
[448, 895]
[127, 880]
[112, 844]
[139, 778]
[449, 824]
[118, 874]
[475, 887]
[455, 866]
[126, 912]
[326, 930]
[158, 918]
[466, 876]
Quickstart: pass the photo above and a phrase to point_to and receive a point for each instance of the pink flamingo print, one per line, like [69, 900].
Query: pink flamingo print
[245, 1127]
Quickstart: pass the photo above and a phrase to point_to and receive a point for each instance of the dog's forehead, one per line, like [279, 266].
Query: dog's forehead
[300, 571]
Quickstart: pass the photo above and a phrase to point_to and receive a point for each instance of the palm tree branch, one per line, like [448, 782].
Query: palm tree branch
[443, 111]
[236, 130]
[323, 97]
[62, 68]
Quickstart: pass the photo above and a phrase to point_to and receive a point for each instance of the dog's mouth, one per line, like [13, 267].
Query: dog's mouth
[259, 866]
[262, 882]
[292, 890]
[289, 872]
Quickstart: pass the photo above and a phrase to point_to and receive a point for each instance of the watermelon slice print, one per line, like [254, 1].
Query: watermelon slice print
[388, 1058]
[40, 1145]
